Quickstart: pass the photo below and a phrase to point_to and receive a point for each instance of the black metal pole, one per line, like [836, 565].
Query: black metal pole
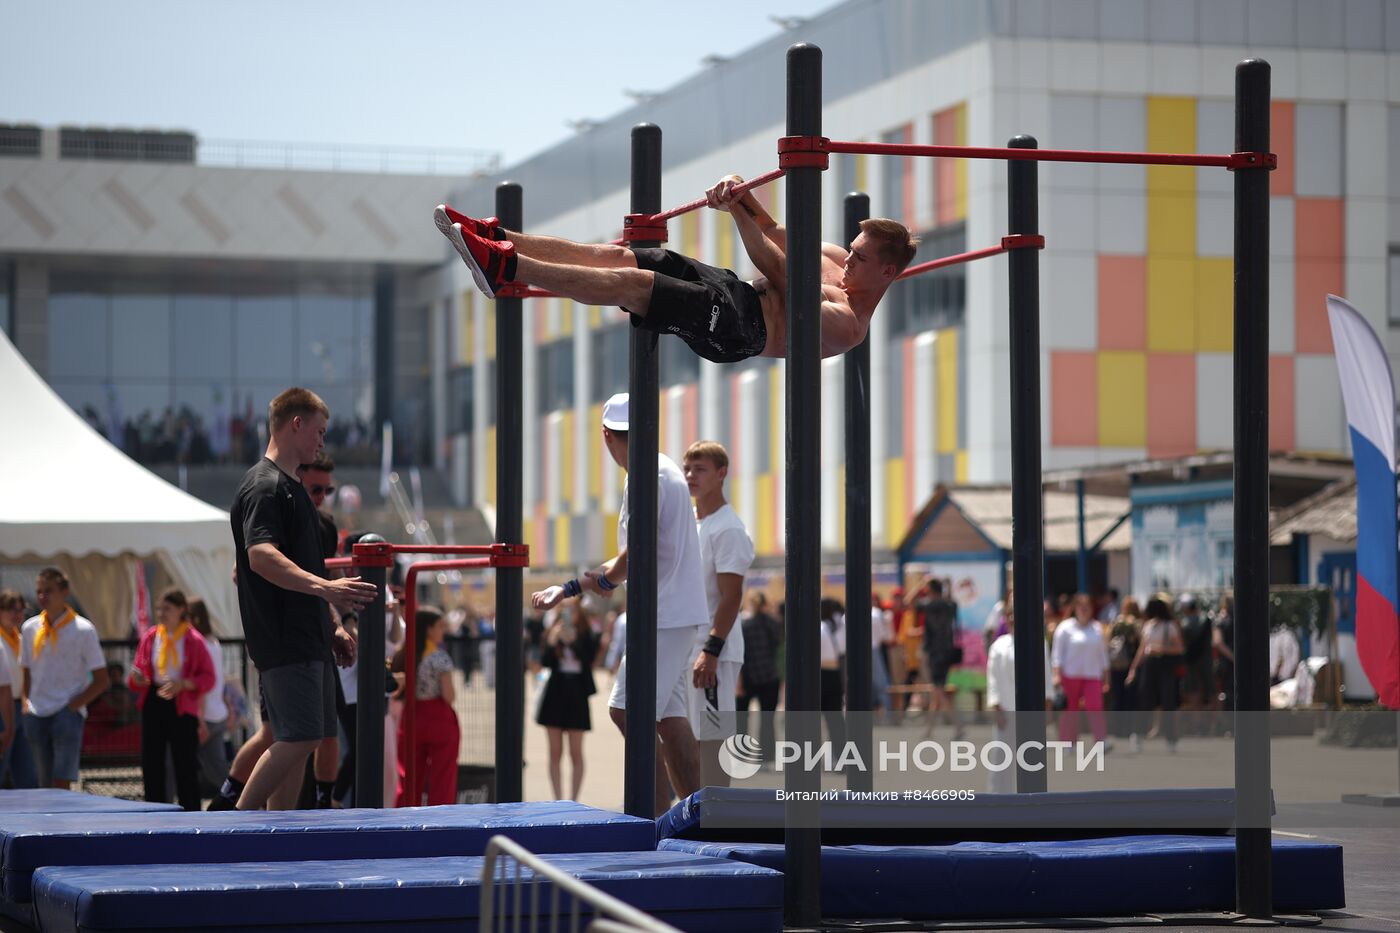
[639, 772]
[1027, 503]
[802, 865]
[510, 524]
[1253, 852]
[859, 647]
[369, 680]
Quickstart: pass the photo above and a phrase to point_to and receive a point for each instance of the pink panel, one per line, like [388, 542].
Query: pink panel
[1319, 245]
[1281, 137]
[1122, 302]
[1171, 404]
[1074, 380]
[690, 422]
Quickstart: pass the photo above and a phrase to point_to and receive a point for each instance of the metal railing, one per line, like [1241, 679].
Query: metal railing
[506, 905]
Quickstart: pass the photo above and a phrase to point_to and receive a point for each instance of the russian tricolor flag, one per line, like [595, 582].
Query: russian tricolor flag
[1369, 393]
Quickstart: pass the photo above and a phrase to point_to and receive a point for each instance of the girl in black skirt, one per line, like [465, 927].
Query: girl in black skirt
[568, 652]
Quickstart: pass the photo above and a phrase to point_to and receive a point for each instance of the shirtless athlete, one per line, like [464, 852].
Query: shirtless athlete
[719, 316]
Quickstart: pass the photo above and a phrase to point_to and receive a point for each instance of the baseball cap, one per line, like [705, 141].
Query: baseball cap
[615, 412]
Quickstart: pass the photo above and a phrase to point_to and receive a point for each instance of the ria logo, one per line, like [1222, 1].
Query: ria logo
[740, 756]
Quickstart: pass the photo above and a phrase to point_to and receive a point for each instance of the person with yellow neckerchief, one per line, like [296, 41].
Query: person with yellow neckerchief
[170, 675]
[63, 671]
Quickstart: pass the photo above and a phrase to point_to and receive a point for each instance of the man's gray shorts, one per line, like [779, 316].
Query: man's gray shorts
[300, 701]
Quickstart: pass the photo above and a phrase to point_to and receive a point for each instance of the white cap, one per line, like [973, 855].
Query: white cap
[615, 412]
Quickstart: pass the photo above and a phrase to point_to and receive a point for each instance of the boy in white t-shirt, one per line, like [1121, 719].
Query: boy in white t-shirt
[64, 671]
[726, 553]
[680, 608]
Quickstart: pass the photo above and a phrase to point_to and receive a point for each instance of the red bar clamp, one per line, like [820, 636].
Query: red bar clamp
[1264, 160]
[643, 228]
[513, 290]
[1023, 241]
[510, 555]
[803, 152]
[373, 555]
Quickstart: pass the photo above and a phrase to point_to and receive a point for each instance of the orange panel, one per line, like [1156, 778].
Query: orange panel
[1171, 404]
[1281, 135]
[1319, 228]
[1122, 302]
[1282, 419]
[1313, 281]
[690, 422]
[1074, 382]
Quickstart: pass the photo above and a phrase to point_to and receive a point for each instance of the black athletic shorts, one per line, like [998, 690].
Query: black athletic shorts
[718, 315]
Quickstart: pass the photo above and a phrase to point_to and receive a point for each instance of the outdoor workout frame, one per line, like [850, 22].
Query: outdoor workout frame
[804, 154]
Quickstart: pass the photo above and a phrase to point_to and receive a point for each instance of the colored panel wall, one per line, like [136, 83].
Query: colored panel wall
[1122, 318]
[1171, 404]
[1122, 395]
[1074, 379]
[1282, 138]
[1171, 302]
[1171, 227]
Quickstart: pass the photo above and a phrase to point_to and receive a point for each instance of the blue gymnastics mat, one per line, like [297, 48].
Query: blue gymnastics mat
[693, 893]
[1068, 878]
[727, 814]
[53, 800]
[30, 841]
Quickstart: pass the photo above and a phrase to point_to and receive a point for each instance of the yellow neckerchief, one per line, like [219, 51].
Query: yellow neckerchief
[49, 629]
[166, 641]
[429, 648]
[11, 637]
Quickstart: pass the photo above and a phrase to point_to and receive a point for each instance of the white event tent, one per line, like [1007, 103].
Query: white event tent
[70, 498]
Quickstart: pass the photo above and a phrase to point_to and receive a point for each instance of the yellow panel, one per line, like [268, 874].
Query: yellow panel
[777, 430]
[609, 533]
[1122, 398]
[1171, 223]
[566, 318]
[1171, 127]
[491, 464]
[690, 234]
[595, 453]
[491, 313]
[561, 541]
[763, 509]
[860, 173]
[1171, 305]
[960, 467]
[1215, 319]
[960, 165]
[566, 462]
[724, 243]
[595, 317]
[946, 361]
[896, 514]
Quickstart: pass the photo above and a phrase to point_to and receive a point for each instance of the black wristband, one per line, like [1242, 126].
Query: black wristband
[572, 589]
[713, 645]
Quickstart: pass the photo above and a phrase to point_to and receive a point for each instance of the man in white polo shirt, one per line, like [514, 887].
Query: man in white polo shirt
[680, 607]
[726, 552]
[64, 671]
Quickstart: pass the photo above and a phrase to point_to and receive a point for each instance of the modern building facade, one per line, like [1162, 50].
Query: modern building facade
[1136, 277]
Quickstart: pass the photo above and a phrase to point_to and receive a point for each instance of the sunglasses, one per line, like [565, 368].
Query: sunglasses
[319, 490]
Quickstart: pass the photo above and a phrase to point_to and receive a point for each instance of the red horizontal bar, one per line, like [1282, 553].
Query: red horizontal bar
[459, 563]
[698, 203]
[1038, 155]
[339, 563]
[951, 261]
[442, 548]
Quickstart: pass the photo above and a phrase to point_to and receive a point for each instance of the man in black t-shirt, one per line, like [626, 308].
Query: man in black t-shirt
[282, 599]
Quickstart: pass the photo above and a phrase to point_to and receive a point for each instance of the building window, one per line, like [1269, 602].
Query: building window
[555, 374]
[931, 300]
[1394, 287]
[610, 360]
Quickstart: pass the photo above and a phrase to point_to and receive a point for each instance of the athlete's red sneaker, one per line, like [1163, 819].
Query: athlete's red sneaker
[488, 228]
[492, 262]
